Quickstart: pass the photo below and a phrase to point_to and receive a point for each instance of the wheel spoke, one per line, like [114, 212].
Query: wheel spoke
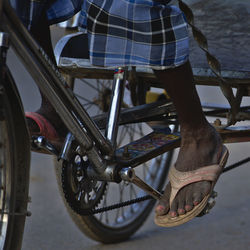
[127, 216]
[123, 132]
[89, 84]
[133, 194]
[83, 98]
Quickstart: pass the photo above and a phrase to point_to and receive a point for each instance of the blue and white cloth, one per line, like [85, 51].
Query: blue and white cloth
[124, 32]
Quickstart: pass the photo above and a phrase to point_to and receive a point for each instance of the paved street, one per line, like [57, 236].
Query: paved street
[50, 227]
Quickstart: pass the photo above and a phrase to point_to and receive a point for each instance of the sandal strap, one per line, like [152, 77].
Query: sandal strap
[211, 173]
[180, 179]
[46, 129]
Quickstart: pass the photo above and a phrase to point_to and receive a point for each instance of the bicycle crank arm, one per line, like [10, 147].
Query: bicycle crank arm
[41, 143]
[128, 174]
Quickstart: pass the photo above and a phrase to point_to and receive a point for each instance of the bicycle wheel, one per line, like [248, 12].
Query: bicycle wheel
[117, 225]
[14, 164]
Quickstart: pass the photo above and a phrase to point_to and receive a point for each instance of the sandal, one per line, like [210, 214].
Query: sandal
[46, 129]
[179, 180]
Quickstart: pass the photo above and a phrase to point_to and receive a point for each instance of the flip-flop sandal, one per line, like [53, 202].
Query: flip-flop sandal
[179, 180]
[46, 129]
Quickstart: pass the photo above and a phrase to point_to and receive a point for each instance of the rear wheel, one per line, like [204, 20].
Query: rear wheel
[14, 164]
[119, 224]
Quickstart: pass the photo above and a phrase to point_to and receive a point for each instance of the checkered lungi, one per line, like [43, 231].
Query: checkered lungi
[128, 32]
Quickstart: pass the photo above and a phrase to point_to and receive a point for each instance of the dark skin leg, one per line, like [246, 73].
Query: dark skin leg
[200, 141]
[41, 34]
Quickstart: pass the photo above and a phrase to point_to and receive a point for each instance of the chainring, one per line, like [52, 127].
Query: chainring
[82, 194]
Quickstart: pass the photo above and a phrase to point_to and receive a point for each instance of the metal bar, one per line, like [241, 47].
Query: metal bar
[223, 110]
[237, 164]
[67, 147]
[142, 113]
[128, 174]
[148, 189]
[52, 84]
[115, 105]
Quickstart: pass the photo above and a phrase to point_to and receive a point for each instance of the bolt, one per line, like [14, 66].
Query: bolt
[126, 153]
[217, 123]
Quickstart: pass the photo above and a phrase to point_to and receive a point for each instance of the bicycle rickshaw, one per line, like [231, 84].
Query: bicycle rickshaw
[95, 167]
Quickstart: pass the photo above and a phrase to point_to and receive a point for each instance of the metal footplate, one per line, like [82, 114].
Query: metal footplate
[146, 148]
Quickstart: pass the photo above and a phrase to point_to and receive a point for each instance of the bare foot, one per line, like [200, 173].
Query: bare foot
[199, 148]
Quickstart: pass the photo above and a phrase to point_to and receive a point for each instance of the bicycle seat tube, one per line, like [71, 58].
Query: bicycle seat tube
[115, 105]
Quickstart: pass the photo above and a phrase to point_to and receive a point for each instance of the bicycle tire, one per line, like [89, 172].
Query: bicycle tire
[15, 162]
[91, 225]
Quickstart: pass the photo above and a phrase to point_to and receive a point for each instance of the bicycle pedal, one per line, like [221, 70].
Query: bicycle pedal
[147, 147]
[41, 143]
[210, 204]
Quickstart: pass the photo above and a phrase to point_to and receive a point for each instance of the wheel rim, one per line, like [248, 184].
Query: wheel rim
[151, 171]
[5, 181]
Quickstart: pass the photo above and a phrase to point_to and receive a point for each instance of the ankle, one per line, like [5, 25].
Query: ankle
[205, 134]
[197, 130]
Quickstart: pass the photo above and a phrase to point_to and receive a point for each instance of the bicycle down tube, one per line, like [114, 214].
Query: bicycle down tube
[51, 83]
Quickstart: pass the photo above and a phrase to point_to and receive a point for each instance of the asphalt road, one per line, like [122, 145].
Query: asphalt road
[50, 227]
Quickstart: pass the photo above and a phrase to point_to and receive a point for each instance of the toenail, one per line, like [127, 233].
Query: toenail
[196, 203]
[160, 208]
[188, 208]
[181, 211]
[173, 214]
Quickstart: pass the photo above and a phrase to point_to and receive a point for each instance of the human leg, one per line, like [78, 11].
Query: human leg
[200, 142]
[41, 33]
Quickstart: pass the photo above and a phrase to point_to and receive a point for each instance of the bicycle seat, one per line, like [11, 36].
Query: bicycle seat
[72, 57]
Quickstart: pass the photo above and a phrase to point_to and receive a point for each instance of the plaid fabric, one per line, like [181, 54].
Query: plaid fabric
[135, 32]
[121, 32]
[29, 11]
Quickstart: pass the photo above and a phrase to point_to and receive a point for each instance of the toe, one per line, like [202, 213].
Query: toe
[201, 189]
[189, 200]
[196, 198]
[161, 210]
[173, 214]
[181, 202]
[181, 211]
[197, 193]
[188, 207]
[173, 209]
[163, 207]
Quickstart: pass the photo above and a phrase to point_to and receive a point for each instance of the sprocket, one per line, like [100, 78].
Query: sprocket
[82, 194]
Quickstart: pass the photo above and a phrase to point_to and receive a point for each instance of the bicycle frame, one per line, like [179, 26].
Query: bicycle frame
[89, 160]
[51, 83]
[98, 148]
[75, 118]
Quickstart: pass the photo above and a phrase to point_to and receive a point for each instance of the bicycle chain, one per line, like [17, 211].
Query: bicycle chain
[226, 89]
[93, 211]
[117, 205]
[143, 198]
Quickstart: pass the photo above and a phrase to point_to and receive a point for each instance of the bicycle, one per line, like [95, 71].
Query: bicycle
[87, 163]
